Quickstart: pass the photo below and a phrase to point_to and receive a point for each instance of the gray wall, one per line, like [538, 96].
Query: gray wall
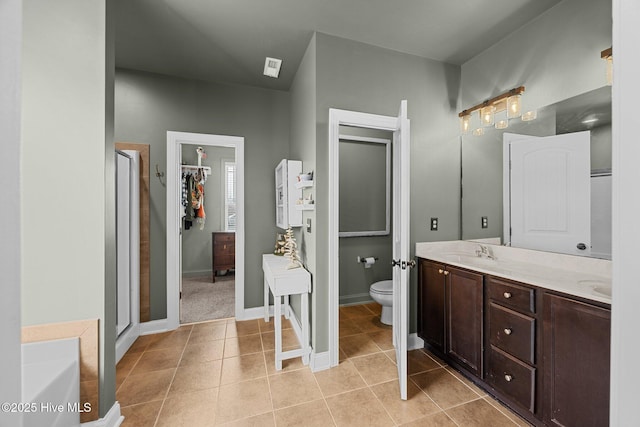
[302, 147]
[10, 46]
[361, 77]
[556, 57]
[65, 95]
[149, 105]
[196, 243]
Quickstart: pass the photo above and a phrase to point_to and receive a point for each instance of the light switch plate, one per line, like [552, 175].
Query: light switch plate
[308, 225]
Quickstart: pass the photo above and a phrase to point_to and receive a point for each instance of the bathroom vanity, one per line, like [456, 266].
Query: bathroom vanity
[531, 328]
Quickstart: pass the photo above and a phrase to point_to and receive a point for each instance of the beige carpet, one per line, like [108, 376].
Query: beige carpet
[203, 300]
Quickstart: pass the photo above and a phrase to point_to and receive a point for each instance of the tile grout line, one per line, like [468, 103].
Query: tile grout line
[172, 378]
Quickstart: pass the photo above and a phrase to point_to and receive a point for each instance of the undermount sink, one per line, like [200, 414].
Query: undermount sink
[597, 286]
[464, 257]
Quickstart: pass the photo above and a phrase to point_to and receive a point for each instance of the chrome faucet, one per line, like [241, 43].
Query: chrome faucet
[484, 252]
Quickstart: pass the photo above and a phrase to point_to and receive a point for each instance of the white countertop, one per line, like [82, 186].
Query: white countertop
[583, 277]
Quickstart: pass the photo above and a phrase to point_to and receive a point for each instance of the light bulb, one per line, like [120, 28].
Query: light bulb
[465, 124]
[502, 121]
[478, 132]
[514, 106]
[529, 115]
[487, 115]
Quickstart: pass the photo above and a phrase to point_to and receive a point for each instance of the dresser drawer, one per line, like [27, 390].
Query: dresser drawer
[224, 248]
[223, 237]
[513, 295]
[512, 377]
[224, 260]
[512, 332]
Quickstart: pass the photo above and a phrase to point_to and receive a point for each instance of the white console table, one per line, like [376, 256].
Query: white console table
[282, 283]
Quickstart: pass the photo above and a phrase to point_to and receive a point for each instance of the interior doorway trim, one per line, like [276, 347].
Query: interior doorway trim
[339, 118]
[174, 147]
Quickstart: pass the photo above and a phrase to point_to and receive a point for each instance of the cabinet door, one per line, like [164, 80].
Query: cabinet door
[431, 300]
[464, 318]
[576, 362]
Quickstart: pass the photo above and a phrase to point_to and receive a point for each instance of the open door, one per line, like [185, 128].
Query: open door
[550, 193]
[402, 265]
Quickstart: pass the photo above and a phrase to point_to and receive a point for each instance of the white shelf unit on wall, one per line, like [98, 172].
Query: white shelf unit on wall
[287, 194]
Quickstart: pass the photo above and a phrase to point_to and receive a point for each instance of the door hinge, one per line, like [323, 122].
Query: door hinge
[180, 295]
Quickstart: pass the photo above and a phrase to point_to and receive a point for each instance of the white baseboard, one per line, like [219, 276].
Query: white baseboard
[414, 342]
[320, 361]
[113, 418]
[253, 313]
[355, 299]
[153, 327]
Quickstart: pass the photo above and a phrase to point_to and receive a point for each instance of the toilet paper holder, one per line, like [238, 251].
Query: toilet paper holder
[363, 259]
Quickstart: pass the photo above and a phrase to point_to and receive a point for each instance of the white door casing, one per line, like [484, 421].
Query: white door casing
[400, 126]
[550, 194]
[401, 219]
[174, 146]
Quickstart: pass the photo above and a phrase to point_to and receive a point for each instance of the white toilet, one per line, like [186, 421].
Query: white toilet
[382, 293]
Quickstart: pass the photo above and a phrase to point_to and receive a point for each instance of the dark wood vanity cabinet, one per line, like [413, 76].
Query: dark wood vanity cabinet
[431, 296]
[512, 350]
[223, 255]
[576, 362]
[545, 355]
[451, 318]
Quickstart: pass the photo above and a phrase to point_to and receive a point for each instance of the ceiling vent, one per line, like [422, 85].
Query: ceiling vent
[272, 67]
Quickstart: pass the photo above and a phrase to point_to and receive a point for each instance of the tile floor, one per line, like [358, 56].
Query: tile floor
[222, 373]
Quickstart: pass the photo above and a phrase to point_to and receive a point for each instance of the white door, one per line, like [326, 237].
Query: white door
[550, 193]
[123, 218]
[127, 250]
[401, 215]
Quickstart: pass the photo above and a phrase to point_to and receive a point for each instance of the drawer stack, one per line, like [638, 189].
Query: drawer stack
[511, 359]
[223, 256]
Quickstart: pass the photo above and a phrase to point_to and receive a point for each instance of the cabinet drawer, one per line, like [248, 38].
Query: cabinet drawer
[512, 332]
[515, 379]
[512, 295]
[224, 260]
[224, 249]
[224, 237]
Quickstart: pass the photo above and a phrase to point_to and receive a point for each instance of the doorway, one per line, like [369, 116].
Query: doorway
[399, 126]
[208, 228]
[190, 252]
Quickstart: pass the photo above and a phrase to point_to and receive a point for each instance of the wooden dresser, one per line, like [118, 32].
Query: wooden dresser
[223, 255]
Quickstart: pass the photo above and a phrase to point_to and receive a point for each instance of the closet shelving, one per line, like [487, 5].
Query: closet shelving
[287, 194]
[304, 184]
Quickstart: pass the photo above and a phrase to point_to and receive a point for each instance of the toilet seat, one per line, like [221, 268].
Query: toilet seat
[383, 287]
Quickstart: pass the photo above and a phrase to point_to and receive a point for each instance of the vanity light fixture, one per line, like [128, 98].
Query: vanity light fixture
[607, 55]
[508, 102]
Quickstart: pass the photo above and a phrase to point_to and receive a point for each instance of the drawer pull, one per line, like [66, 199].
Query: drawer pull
[446, 273]
[507, 295]
[508, 378]
[508, 331]
[440, 270]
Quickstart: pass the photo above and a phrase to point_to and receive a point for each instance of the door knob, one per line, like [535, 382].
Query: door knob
[581, 246]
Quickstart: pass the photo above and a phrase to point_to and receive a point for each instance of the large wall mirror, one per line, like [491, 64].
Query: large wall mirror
[483, 179]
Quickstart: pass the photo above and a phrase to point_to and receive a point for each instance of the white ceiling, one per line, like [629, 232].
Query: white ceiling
[228, 40]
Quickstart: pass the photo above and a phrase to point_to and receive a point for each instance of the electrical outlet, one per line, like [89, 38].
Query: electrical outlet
[485, 222]
[434, 224]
